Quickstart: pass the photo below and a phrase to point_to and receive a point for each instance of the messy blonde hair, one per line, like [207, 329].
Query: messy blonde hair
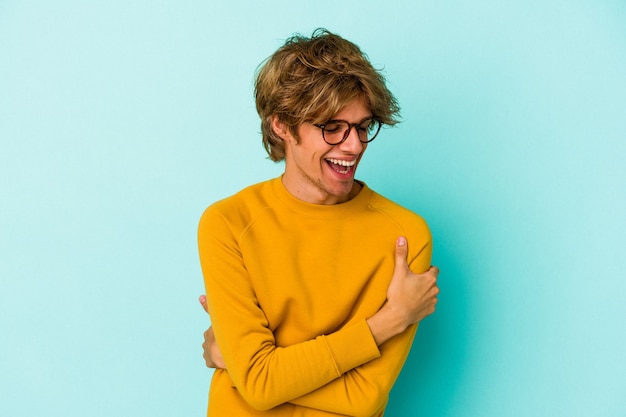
[311, 80]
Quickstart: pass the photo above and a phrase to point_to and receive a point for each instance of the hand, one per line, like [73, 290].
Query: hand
[212, 355]
[414, 296]
[410, 297]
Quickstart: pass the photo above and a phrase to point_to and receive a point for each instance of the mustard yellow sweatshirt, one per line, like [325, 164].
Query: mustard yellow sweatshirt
[289, 286]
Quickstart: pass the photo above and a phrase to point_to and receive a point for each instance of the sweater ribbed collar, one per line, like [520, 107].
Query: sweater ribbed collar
[322, 211]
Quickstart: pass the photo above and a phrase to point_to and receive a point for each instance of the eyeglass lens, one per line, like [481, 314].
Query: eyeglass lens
[336, 131]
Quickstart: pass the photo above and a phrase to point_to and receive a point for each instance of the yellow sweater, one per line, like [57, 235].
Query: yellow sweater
[289, 287]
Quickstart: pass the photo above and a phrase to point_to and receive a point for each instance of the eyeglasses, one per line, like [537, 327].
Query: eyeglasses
[335, 132]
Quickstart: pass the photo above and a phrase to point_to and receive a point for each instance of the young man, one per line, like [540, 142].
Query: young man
[312, 287]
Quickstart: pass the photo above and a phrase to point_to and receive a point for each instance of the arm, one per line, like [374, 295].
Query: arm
[364, 389]
[267, 375]
[410, 298]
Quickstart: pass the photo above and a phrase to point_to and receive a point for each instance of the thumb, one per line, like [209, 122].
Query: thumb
[402, 250]
[202, 300]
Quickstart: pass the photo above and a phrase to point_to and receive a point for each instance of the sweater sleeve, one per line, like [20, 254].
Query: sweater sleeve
[264, 374]
[364, 390]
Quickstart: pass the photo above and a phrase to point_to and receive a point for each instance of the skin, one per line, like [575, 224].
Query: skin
[308, 174]
[211, 352]
[311, 177]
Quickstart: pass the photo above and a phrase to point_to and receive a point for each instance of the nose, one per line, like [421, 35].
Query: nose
[352, 144]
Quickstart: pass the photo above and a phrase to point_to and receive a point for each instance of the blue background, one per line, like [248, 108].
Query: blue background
[120, 121]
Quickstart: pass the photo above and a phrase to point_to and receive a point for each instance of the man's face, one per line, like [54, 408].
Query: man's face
[319, 173]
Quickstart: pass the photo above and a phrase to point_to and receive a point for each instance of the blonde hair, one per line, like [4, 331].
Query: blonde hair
[311, 80]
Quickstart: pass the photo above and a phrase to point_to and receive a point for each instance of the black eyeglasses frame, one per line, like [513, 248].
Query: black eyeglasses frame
[346, 133]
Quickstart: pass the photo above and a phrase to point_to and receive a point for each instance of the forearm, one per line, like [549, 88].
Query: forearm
[386, 323]
[360, 391]
[275, 375]
[364, 390]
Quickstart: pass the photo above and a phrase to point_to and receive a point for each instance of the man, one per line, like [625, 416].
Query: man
[313, 311]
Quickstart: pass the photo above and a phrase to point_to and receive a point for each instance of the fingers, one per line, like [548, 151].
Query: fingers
[206, 352]
[211, 351]
[206, 348]
[402, 250]
[433, 271]
[202, 300]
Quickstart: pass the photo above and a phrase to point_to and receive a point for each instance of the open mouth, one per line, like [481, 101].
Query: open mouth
[340, 166]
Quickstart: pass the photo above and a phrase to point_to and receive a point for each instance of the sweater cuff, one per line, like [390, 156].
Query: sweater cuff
[352, 346]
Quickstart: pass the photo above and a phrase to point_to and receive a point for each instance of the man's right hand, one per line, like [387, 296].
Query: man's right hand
[410, 297]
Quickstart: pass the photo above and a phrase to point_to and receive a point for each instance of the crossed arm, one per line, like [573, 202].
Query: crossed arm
[410, 298]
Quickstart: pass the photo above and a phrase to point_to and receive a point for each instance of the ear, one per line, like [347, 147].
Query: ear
[280, 128]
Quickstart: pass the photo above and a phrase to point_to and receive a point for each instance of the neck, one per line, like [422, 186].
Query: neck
[321, 197]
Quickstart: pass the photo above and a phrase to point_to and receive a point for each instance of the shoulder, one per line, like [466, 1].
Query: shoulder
[396, 213]
[407, 221]
[240, 208]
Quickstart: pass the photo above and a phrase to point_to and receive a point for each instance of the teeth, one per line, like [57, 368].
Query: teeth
[342, 163]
